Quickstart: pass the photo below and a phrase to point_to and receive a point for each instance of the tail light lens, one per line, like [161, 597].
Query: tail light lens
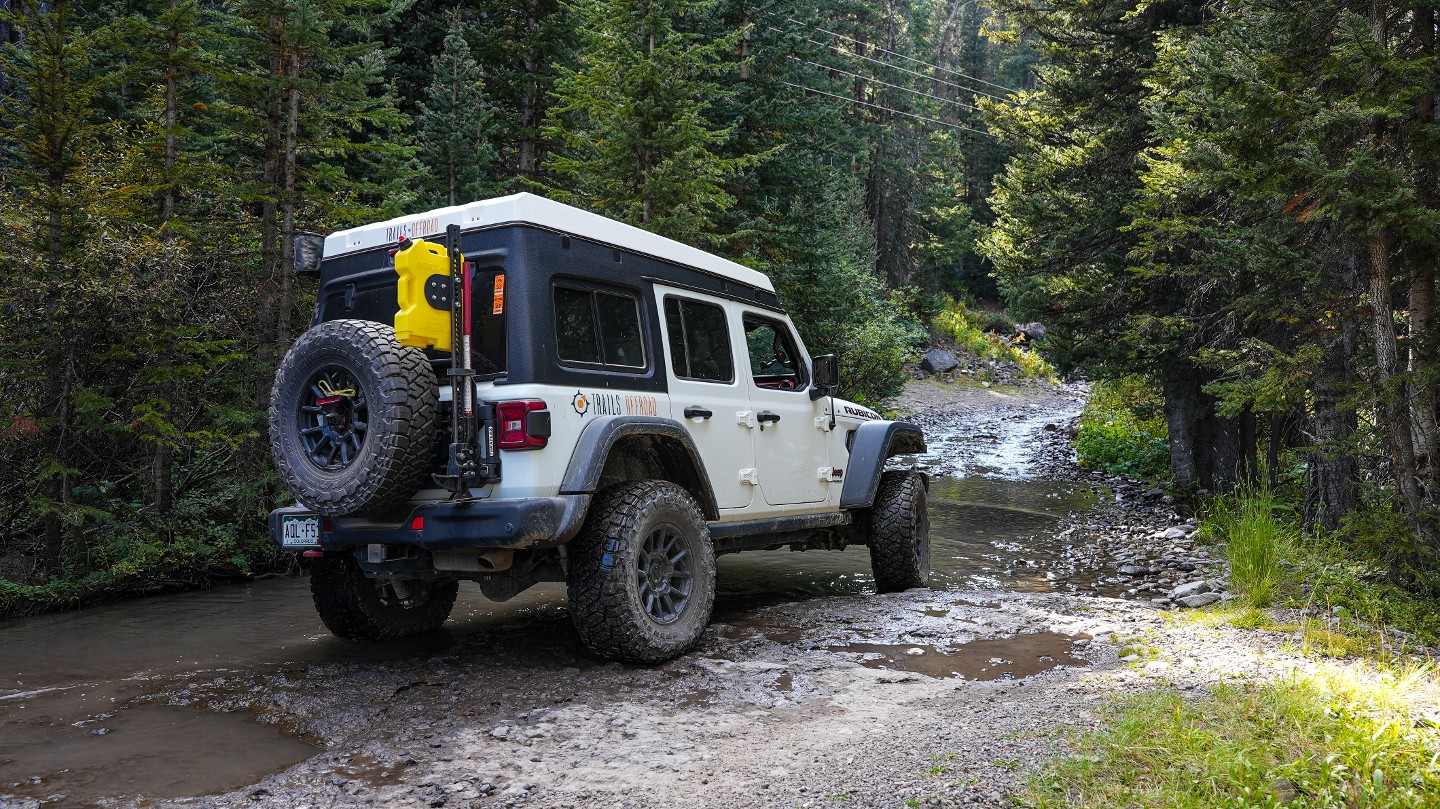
[524, 424]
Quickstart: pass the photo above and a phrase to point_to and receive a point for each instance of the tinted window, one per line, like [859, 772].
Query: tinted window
[774, 361]
[699, 341]
[600, 328]
[488, 305]
[619, 317]
[575, 335]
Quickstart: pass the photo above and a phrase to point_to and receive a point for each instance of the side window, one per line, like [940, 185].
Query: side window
[774, 361]
[699, 341]
[596, 327]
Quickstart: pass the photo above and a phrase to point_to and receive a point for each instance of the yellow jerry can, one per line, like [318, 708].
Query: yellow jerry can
[424, 295]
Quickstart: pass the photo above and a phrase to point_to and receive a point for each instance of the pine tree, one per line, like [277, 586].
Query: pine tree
[630, 121]
[455, 123]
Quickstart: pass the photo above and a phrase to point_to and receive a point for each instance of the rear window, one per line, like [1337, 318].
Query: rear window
[598, 327]
[487, 303]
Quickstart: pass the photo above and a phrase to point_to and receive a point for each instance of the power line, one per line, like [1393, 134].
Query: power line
[886, 83]
[890, 65]
[889, 110]
[912, 59]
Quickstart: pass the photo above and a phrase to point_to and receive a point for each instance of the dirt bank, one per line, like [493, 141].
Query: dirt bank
[810, 698]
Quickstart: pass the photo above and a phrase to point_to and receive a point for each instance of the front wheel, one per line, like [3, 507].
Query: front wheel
[642, 576]
[356, 607]
[900, 533]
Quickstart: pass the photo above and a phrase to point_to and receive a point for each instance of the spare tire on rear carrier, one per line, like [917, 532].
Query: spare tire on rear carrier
[353, 418]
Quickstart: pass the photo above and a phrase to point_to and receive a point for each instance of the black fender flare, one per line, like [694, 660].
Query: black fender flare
[874, 442]
[679, 456]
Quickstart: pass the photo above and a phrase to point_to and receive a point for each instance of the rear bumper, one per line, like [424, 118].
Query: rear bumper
[529, 522]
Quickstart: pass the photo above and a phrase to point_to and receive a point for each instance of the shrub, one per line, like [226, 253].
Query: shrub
[1122, 430]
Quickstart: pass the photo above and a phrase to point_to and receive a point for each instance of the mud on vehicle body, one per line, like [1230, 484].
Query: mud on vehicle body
[576, 401]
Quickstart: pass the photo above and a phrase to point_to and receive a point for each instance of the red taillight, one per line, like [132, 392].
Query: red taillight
[327, 525]
[417, 524]
[524, 424]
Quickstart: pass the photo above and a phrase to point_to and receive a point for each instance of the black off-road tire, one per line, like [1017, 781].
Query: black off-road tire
[900, 533]
[355, 607]
[402, 400]
[606, 585]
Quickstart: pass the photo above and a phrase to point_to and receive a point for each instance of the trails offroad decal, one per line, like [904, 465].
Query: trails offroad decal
[614, 404]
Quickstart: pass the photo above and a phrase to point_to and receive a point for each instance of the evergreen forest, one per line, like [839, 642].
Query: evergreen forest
[1234, 202]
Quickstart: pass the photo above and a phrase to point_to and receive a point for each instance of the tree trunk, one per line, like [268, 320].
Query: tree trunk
[172, 124]
[1272, 451]
[289, 181]
[270, 207]
[1180, 423]
[1333, 474]
[1246, 469]
[1392, 390]
[531, 99]
[1423, 339]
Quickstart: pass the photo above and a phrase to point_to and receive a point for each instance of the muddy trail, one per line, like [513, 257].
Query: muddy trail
[807, 689]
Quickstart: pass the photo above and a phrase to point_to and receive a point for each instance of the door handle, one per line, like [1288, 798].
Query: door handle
[766, 417]
[696, 412]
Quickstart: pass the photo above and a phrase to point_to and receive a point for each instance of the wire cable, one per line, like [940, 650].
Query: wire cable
[912, 59]
[853, 55]
[970, 107]
[889, 110]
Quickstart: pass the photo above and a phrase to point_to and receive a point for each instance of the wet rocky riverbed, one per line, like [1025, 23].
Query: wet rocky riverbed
[806, 690]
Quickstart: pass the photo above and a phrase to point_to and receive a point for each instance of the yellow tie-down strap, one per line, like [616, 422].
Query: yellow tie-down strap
[424, 296]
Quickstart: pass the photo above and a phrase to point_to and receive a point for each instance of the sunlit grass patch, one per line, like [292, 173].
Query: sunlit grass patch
[1344, 737]
[968, 329]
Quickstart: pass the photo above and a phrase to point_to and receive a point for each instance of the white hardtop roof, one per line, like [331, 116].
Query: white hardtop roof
[534, 210]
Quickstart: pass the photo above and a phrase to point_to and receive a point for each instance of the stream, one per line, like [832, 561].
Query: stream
[83, 717]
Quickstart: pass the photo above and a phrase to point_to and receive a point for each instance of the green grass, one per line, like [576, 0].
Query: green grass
[1341, 740]
[1258, 531]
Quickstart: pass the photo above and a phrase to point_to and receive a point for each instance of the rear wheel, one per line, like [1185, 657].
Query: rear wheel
[900, 533]
[356, 607]
[642, 576]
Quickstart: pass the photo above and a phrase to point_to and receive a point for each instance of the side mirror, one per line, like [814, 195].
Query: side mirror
[825, 372]
[309, 247]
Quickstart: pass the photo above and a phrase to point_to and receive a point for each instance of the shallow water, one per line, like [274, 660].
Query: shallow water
[984, 659]
[985, 533]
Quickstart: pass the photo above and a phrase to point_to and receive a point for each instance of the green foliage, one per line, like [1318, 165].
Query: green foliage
[1122, 429]
[1338, 739]
[634, 142]
[455, 123]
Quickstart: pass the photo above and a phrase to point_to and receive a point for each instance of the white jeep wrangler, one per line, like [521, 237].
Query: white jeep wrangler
[628, 407]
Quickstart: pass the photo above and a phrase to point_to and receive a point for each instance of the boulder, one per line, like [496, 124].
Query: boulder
[1199, 599]
[1029, 332]
[938, 361]
[1191, 589]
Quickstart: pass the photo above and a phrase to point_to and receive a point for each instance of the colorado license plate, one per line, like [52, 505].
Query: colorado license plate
[300, 531]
